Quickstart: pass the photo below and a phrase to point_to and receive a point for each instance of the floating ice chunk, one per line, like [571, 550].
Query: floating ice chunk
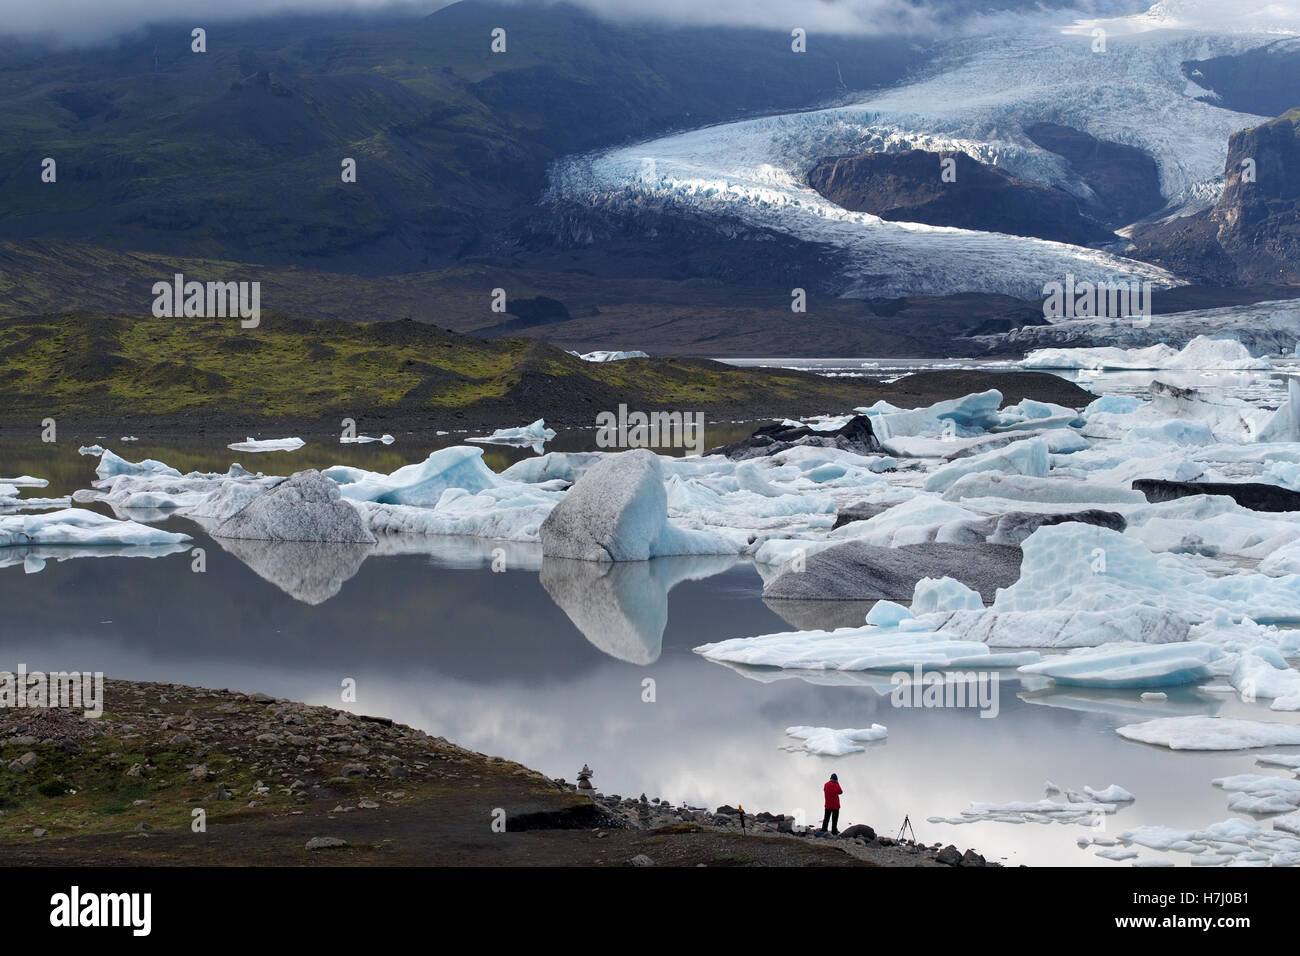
[366, 439]
[1112, 794]
[556, 465]
[1155, 697]
[861, 648]
[969, 414]
[888, 614]
[943, 594]
[1117, 853]
[618, 511]
[1284, 426]
[267, 444]
[1262, 672]
[996, 484]
[1112, 405]
[1211, 733]
[1086, 567]
[1022, 458]
[1202, 352]
[305, 507]
[534, 434]
[25, 481]
[828, 742]
[506, 513]
[95, 450]
[609, 356]
[1130, 665]
[1291, 761]
[77, 526]
[110, 465]
[420, 484]
[1063, 628]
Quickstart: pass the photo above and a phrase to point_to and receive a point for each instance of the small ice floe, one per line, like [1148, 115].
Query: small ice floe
[1154, 696]
[1128, 664]
[1112, 794]
[1118, 853]
[609, 356]
[1211, 733]
[860, 648]
[535, 434]
[1261, 793]
[828, 742]
[95, 450]
[111, 465]
[25, 481]
[1262, 672]
[365, 439]
[1291, 761]
[267, 444]
[1232, 842]
[78, 526]
[1075, 809]
[128, 438]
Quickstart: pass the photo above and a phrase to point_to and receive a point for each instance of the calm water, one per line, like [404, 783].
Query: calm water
[546, 663]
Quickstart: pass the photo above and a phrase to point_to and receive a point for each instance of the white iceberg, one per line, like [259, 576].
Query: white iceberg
[1211, 733]
[828, 742]
[535, 434]
[267, 444]
[79, 527]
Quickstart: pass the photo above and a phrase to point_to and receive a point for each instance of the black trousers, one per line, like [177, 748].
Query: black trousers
[831, 820]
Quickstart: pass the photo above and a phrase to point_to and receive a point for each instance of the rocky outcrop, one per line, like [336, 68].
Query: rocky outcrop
[907, 187]
[1252, 234]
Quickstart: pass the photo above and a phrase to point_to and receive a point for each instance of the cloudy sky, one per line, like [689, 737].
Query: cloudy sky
[88, 21]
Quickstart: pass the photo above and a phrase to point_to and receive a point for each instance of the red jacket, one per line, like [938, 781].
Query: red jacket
[833, 791]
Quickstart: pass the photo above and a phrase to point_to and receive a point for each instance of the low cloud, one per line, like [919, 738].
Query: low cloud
[90, 21]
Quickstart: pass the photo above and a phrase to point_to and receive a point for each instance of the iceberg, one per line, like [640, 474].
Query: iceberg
[609, 356]
[79, 527]
[267, 444]
[618, 511]
[828, 742]
[1130, 665]
[1211, 733]
[420, 484]
[1201, 353]
[535, 434]
[865, 648]
[386, 439]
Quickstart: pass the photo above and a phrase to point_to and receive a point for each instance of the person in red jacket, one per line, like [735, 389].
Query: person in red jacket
[831, 820]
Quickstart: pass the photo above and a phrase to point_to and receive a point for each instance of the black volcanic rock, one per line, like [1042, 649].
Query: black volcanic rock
[1252, 234]
[855, 435]
[1253, 495]
[1125, 180]
[908, 187]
